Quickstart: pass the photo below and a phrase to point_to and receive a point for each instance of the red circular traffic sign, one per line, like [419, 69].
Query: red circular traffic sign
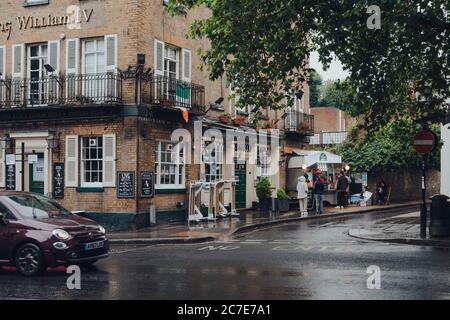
[424, 141]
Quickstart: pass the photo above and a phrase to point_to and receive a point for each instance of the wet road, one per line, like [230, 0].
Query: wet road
[307, 260]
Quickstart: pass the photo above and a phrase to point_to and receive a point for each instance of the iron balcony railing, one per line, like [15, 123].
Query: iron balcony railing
[299, 122]
[61, 90]
[170, 92]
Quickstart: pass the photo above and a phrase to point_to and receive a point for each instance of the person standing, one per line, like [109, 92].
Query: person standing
[302, 191]
[319, 188]
[342, 186]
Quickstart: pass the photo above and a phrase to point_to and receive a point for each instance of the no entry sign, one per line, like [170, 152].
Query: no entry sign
[424, 141]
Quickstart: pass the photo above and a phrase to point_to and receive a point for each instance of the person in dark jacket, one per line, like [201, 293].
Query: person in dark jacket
[319, 188]
[342, 189]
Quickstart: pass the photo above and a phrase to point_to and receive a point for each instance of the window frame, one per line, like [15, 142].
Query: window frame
[82, 160]
[175, 152]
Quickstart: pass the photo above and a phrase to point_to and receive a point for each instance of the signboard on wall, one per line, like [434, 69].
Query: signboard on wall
[58, 180]
[11, 177]
[147, 184]
[125, 184]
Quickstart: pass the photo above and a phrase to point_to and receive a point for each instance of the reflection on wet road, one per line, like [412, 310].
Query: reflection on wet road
[307, 260]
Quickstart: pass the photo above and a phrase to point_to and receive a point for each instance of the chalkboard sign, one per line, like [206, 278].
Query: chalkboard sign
[125, 187]
[11, 177]
[58, 180]
[147, 184]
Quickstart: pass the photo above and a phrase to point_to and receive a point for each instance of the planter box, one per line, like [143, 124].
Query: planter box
[282, 205]
[264, 206]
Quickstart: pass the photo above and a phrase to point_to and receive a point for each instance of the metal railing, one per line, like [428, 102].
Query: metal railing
[170, 92]
[85, 89]
[321, 138]
[298, 122]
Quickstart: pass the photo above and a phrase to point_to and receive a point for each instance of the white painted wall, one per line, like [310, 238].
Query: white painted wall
[445, 161]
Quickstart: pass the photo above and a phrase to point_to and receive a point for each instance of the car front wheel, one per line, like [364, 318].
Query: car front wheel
[29, 260]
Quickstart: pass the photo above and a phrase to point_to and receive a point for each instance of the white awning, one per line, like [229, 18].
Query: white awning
[310, 158]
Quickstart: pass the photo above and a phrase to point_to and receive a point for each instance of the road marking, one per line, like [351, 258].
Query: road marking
[221, 248]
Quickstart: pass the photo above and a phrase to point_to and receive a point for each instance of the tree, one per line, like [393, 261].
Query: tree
[385, 148]
[262, 47]
[314, 88]
[339, 94]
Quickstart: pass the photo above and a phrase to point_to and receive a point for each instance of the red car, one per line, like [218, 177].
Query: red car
[37, 232]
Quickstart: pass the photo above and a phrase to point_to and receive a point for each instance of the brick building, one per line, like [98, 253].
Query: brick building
[90, 94]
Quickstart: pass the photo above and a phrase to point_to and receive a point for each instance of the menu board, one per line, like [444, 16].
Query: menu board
[58, 180]
[11, 177]
[125, 184]
[147, 184]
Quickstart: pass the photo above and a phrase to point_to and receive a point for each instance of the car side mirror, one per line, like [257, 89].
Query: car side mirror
[3, 220]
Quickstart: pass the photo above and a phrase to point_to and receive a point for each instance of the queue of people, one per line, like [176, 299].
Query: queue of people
[318, 188]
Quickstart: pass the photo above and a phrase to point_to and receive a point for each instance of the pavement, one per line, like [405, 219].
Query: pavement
[404, 229]
[308, 259]
[225, 229]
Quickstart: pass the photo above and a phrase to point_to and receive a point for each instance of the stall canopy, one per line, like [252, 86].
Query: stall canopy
[310, 158]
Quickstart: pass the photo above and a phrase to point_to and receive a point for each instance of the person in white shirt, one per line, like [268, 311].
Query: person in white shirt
[302, 191]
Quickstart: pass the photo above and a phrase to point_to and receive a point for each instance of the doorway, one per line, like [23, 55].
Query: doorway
[36, 174]
[240, 171]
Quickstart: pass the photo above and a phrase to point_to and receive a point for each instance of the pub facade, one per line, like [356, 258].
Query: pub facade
[90, 95]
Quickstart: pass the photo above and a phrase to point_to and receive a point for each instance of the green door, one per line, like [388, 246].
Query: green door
[240, 171]
[36, 170]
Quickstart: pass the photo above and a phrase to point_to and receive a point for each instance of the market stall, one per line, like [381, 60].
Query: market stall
[311, 162]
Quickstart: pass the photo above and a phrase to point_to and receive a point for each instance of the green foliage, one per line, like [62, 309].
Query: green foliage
[263, 188]
[314, 89]
[387, 148]
[281, 194]
[261, 46]
[339, 94]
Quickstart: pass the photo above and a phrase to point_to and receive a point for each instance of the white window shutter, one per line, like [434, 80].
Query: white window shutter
[18, 56]
[71, 161]
[2, 164]
[72, 58]
[2, 62]
[159, 58]
[54, 55]
[109, 160]
[187, 65]
[111, 53]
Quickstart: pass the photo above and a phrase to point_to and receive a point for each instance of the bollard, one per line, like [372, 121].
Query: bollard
[440, 216]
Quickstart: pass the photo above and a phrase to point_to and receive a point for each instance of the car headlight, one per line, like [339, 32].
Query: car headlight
[102, 230]
[61, 234]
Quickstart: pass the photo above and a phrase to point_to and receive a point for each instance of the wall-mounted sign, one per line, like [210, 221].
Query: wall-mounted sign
[10, 159]
[72, 19]
[32, 158]
[147, 184]
[125, 184]
[11, 177]
[58, 180]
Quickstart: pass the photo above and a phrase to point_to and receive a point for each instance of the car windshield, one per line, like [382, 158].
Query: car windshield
[36, 207]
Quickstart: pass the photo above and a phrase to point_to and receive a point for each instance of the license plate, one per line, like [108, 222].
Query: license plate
[94, 245]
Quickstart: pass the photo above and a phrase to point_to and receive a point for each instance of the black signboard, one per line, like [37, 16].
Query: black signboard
[147, 184]
[125, 184]
[58, 180]
[11, 177]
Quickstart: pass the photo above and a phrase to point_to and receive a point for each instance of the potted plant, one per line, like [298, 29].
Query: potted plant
[225, 118]
[282, 201]
[263, 191]
[239, 120]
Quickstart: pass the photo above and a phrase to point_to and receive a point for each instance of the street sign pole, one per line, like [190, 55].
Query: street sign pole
[424, 209]
[424, 142]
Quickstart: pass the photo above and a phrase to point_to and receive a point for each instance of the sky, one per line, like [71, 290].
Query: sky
[333, 73]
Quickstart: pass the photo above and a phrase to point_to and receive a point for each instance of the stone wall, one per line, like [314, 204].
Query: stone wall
[407, 183]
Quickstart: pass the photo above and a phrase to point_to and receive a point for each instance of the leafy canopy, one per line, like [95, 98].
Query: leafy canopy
[387, 147]
[261, 46]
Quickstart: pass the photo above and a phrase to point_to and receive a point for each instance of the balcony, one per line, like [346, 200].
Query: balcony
[168, 93]
[329, 138]
[89, 89]
[298, 123]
